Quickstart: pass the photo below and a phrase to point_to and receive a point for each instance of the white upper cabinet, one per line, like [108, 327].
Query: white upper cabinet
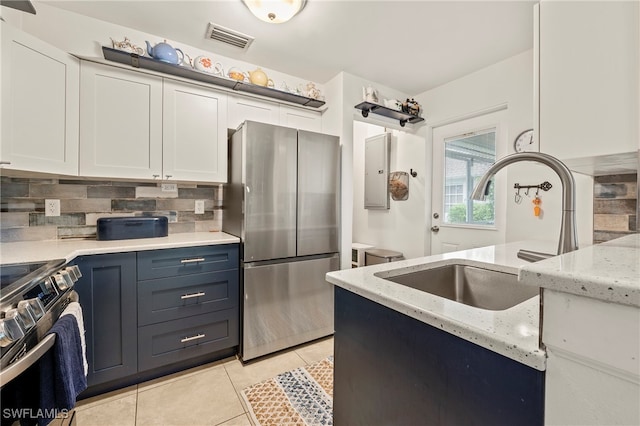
[301, 119]
[139, 126]
[194, 133]
[588, 78]
[120, 123]
[40, 86]
[242, 108]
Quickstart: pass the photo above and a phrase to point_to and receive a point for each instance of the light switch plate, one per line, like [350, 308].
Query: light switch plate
[199, 209]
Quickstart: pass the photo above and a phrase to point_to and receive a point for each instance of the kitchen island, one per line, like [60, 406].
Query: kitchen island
[512, 334]
[405, 356]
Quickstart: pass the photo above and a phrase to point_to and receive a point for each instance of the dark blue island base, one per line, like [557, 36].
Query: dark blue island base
[391, 369]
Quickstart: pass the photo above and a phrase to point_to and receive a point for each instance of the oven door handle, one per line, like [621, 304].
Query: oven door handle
[30, 358]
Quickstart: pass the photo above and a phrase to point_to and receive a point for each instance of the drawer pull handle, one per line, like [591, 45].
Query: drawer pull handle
[194, 260]
[188, 339]
[192, 295]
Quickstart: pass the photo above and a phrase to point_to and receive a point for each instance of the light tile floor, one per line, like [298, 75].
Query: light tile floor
[205, 395]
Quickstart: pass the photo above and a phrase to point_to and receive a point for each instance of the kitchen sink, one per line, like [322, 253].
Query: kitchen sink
[471, 285]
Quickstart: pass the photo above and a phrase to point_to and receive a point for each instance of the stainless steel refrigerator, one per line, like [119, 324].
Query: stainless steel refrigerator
[283, 201]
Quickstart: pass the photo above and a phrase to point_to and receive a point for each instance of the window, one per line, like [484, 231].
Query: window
[467, 158]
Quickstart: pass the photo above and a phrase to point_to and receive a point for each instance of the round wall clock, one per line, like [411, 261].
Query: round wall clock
[524, 141]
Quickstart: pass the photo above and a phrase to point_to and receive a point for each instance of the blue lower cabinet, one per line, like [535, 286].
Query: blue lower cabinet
[174, 341]
[172, 298]
[158, 311]
[107, 292]
[393, 369]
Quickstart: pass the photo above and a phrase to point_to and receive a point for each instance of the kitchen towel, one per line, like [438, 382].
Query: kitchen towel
[75, 309]
[62, 376]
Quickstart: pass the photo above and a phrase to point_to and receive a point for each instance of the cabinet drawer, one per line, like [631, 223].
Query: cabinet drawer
[165, 299]
[173, 341]
[185, 261]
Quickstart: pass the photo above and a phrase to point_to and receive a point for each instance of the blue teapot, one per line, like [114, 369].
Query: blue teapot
[165, 53]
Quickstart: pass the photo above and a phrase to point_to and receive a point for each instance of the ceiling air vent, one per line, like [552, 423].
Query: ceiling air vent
[228, 36]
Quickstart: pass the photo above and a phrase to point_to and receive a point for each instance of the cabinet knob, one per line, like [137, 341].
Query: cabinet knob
[156, 176]
[168, 176]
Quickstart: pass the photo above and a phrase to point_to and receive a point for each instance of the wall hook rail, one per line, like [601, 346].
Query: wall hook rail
[545, 186]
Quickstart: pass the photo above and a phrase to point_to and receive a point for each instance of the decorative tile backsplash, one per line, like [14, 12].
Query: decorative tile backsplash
[615, 206]
[83, 202]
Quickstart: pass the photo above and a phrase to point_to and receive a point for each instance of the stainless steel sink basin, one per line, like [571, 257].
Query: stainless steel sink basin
[473, 286]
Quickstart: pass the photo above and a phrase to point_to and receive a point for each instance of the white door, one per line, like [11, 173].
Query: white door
[300, 119]
[40, 107]
[462, 152]
[194, 133]
[120, 123]
[242, 108]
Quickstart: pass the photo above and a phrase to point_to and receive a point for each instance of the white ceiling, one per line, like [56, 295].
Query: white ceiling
[411, 46]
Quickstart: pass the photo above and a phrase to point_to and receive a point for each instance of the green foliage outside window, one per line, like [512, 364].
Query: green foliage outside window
[483, 212]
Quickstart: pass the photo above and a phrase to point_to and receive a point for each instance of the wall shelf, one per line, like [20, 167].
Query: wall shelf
[403, 117]
[138, 61]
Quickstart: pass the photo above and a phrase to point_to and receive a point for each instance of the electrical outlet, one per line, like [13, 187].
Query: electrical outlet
[52, 207]
[169, 187]
[199, 207]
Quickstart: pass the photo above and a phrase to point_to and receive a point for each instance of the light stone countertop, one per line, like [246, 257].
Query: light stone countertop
[34, 251]
[513, 332]
[609, 271]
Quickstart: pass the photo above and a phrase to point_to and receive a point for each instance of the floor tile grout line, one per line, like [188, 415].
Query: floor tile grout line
[135, 411]
[237, 392]
[238, 395]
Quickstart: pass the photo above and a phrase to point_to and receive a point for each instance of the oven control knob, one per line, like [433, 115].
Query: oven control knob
[10, 329]
[74, 271]
[35, 305]
[22, 314]
[49, 287]
[62, 280]
[6, 335]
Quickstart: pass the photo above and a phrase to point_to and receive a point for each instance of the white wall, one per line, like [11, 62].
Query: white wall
[401, 227]
[333, 122]
[84, 36]
[510, 82]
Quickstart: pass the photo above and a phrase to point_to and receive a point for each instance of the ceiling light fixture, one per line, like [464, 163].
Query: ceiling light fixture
[275, 11]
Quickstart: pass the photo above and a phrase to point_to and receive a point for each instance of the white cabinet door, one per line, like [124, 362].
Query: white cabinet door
[301, 119]
[593, 374]
[40, 86]
[589, 77]
[194, 133]
[242, 108]
[120, 123]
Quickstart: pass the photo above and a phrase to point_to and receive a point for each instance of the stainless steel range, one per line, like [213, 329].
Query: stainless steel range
[33, 295]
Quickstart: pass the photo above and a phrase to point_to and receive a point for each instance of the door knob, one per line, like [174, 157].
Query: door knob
[435, 228]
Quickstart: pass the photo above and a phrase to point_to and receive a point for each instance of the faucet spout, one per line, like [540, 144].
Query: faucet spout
[568, 240]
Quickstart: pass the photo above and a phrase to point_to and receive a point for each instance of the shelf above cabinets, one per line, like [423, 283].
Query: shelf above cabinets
[137, 61]
[403, 117]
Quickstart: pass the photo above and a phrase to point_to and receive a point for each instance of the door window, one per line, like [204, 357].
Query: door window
[467, 158]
